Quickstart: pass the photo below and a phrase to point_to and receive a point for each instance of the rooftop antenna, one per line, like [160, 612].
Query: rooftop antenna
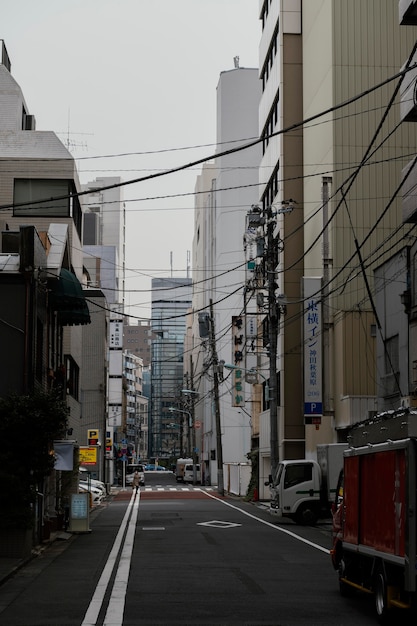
[236, 62]
[68, 142]
[188, 263]
[171, 257]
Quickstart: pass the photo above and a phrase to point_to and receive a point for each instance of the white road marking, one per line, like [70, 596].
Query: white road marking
[278, 528]
[91, 616]
[218, 524]
[116, 607]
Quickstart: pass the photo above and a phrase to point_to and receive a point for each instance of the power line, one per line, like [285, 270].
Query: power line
[239, 148]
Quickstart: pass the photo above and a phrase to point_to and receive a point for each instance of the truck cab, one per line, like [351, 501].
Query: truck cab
[295, 491]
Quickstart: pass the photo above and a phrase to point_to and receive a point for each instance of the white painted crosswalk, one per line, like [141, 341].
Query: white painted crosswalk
[176, 488]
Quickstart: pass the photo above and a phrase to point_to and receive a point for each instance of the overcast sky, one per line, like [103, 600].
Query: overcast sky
[114, 78]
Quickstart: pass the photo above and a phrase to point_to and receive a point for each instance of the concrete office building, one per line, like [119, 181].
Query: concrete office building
[137, 339]
[280, 175]
[104, 236]
[104, 260]
[231, 187]
[35, 165]
[314, 58]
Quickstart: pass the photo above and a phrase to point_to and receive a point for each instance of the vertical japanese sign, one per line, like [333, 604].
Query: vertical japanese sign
[238, 391]
[313, 392]
[116, 334]
[115, 380]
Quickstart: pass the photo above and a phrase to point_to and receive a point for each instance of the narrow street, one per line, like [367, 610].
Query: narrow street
[182, 555]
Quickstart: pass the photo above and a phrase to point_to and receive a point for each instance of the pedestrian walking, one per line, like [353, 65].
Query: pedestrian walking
[135, 481]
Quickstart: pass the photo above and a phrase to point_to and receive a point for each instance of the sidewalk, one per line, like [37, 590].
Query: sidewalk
[9, 566]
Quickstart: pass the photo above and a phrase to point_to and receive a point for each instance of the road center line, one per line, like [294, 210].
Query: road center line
[91, 616]
[279, 528]
[116, 607]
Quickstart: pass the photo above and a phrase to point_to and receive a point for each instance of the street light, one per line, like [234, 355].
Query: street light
[190, 392]
[174, 409]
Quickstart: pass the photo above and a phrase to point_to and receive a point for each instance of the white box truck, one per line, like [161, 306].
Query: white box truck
[304, 489]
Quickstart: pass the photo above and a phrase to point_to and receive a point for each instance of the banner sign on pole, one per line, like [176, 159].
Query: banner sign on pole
[313, 393]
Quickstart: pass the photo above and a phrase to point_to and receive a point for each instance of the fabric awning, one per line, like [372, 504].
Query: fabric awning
[67, 299]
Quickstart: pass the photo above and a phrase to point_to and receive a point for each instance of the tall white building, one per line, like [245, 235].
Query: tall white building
[104, 261]
[230, 187]
[104, 236]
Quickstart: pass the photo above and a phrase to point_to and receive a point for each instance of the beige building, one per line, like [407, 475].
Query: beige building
[353, 155]
[280, 175]
[137, 339]
[333, 145]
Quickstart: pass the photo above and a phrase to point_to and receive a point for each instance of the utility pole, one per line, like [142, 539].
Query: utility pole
[271, 262]
[193, 433]
[219, 454]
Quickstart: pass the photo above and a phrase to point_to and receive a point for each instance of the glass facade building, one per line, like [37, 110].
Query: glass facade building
[171, 299]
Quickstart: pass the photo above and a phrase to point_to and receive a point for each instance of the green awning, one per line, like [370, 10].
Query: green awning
[67, 299]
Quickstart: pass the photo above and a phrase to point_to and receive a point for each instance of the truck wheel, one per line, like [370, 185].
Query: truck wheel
[380, 590]
[306, 515]
[343, 587]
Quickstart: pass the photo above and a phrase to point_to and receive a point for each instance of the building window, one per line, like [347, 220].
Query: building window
[28, 190]
[270, 123]
[32, 193]
[72, 377]
[270, 58]
[271, 189]
[391, 379]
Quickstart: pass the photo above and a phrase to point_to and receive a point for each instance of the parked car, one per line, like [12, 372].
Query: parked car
[95, 483]
[96, 494]
[155, 468]
[90, 484]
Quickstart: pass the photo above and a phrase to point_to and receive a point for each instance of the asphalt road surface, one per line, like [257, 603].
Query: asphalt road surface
[178, 555]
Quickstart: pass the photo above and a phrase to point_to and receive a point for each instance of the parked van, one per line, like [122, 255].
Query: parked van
[180, 468]
[189, 473]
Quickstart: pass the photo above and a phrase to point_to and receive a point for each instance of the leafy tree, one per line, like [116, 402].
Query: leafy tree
[28, 426]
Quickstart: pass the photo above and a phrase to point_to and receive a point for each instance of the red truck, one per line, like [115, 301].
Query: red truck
[375, 513]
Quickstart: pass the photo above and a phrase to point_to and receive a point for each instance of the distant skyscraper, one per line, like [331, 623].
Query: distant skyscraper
[171, 298]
